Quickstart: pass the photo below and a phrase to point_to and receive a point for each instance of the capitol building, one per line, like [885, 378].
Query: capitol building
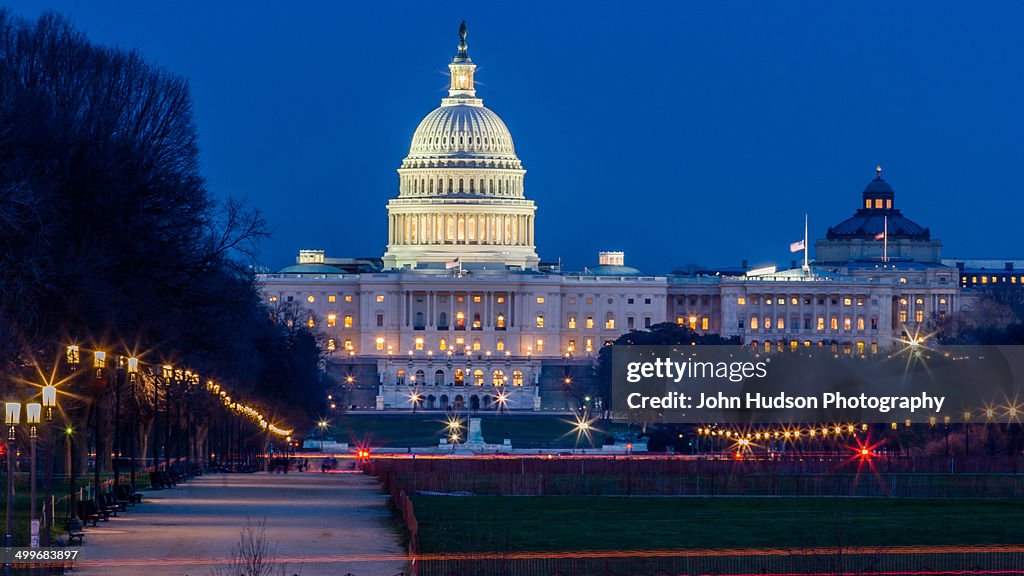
[461, 313]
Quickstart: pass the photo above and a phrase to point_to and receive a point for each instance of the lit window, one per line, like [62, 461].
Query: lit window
[753, 322]
[500, 322]
[348, 344]
[310, 299]
[919, 316]
[609, 324]
[860, 323]
[704, 323]
[572, 322]
[380, 297]
[501, 299]
[693, 322]
[500, 345]
[903, 279]
[348, 321]
[478, 377]
[767, 322]
[741, 301]
[330, 345]
[590, 345]
[768, 301]
[540, 320]
[444, 344]
[419, 343]
[834, 323]
[273, 298]
[348, 298]
[847, 301]
[821, 323]
[846, 323]
[311, 322]
[332, 298]
[780, 323]
[589, 300]
[517, 378]
[919, 302]
[590, 322]
[332, 319]
[903, 315]
[540, 299]
[860, 301]
[540, 345]
[380, 343]
[476, 299]
[460, 341]
[793, 301]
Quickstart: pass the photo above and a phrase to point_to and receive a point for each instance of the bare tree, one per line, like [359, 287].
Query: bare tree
[253, 555]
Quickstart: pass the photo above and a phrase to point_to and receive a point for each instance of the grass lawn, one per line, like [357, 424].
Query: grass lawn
[401, 430]
[496, 523]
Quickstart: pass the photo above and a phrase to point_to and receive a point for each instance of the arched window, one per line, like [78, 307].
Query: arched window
[439, 379]
[500, 322]
[419, 321]
[498, 378]
[460, 186]
[460, 321]
[460, 377]
[400, 378]
[431, 186]
[442, 322]
[478, 377]
[420, 377]
[517, 378]
[451, 184]
[472, 188]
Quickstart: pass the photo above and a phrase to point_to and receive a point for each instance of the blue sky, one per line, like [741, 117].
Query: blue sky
[680, 132]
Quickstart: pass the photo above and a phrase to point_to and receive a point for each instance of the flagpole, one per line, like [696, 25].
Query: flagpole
[806, 267]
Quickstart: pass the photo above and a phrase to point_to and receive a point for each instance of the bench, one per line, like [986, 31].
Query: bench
[75, 535]
[88, 512]
[128, 494]
[111, 504]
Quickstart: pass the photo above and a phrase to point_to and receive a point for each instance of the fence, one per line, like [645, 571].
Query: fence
[389, 481]
[566, 476]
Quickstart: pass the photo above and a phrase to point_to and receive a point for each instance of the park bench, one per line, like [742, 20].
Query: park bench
[106, 505]
[88, 512]
[75, 534]
[128, 494]
[110, 501]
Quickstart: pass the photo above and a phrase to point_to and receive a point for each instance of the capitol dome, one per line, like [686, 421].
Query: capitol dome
[461, 193]
[465, 131]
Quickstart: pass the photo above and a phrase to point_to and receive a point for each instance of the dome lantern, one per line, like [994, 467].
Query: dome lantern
[461, 70]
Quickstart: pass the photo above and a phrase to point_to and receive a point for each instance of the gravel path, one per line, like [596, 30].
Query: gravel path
[330, 524]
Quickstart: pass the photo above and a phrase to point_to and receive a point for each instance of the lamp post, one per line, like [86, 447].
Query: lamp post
[72, 358]
[12, 417]
[323, 427]
[168, 374]
[99, 362]
[49, 402]
[33, 410]
[133, 376]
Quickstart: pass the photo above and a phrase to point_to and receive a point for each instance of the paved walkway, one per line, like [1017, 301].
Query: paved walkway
[322, 525]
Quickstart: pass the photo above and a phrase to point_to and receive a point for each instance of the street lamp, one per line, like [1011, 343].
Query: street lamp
[99, 362]
[33, 410]
[49, 395]
[323, 426]
[133, 376]
[73, 358]
[12, 417]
